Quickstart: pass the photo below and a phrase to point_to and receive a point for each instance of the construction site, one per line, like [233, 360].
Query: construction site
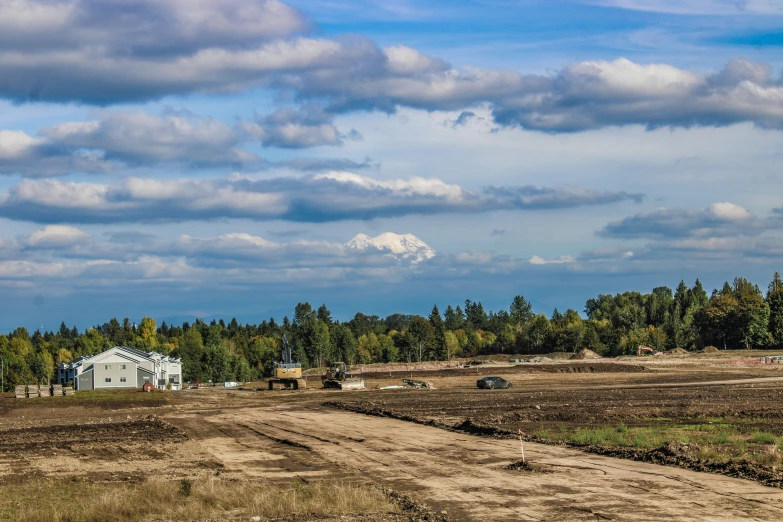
[670, 437]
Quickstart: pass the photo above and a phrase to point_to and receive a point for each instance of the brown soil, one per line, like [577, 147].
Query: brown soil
[470, 477]
[710, 349]
[35, 441]
[95, 452]
[585, 354]
[105, 401]
[503, 413]
[532, 409]
[522, 368]
[470, 470]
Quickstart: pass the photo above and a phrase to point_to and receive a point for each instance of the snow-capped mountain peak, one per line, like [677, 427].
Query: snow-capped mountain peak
[402, 246]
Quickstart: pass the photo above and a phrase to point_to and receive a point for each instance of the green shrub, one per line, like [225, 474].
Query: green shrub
[763, 437]
[186, 487]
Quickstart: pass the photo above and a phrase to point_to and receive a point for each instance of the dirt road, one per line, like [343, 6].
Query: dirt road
[464, 474]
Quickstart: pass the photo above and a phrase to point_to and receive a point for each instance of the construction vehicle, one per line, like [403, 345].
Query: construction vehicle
[287, 372]
[338, 376]
[647, 349]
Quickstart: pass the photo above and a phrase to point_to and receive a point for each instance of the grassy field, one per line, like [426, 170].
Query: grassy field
[715, 439]
[205, 498]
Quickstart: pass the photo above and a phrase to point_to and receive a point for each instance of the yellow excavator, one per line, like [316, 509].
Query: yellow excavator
[287, 373]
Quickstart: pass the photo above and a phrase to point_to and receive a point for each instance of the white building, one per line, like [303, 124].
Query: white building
[121, 367]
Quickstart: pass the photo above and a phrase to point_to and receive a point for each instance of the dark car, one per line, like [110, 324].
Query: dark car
[491, 383]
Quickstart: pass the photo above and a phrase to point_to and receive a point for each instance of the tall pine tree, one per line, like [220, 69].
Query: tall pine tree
[439, 348]
[775, 303]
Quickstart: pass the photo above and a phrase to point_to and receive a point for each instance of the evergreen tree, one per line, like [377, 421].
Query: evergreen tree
[453, 319]
[699, 297]
[65, 333]
[682, 296]
[436, 320]
[475, 316]
[324, 315]
[37, 340]
[776, 285]
[726, 290]
[521, 311]
[440, 350]
[775, 304]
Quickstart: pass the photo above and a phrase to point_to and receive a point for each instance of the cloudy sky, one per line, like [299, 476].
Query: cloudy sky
[181, 158]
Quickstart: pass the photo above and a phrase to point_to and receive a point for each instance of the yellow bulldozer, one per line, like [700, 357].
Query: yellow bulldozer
[337, 376]
[287, 373]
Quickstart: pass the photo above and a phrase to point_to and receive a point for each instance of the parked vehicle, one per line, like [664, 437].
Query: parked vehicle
[490, 383]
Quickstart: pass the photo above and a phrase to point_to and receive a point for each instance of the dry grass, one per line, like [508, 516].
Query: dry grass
[202, 499]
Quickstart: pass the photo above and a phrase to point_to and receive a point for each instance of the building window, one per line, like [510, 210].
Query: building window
[122, 367]
[107, 366]
[108, 379]
[122, 379]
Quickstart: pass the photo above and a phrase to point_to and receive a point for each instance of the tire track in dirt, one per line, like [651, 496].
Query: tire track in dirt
[464, 474]
[472, 496]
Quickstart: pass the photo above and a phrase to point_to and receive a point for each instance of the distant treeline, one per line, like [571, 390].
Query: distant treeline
[739, 315]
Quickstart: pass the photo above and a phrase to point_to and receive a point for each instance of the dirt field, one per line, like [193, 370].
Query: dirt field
[464, 475]
[723, 412]
[449, 449]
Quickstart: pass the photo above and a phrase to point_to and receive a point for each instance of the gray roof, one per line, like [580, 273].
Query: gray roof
[134, 351]
[150, 356]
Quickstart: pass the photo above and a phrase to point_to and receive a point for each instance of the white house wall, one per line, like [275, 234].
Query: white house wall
[108, 365]
[112, 368]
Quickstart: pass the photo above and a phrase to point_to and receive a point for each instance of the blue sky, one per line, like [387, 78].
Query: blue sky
[212, 158]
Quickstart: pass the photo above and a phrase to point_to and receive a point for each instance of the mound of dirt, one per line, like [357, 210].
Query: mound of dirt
[525, 466]
[558, 356]
[539, 360]
[710, 349]
[585, 354]
[678, 351]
